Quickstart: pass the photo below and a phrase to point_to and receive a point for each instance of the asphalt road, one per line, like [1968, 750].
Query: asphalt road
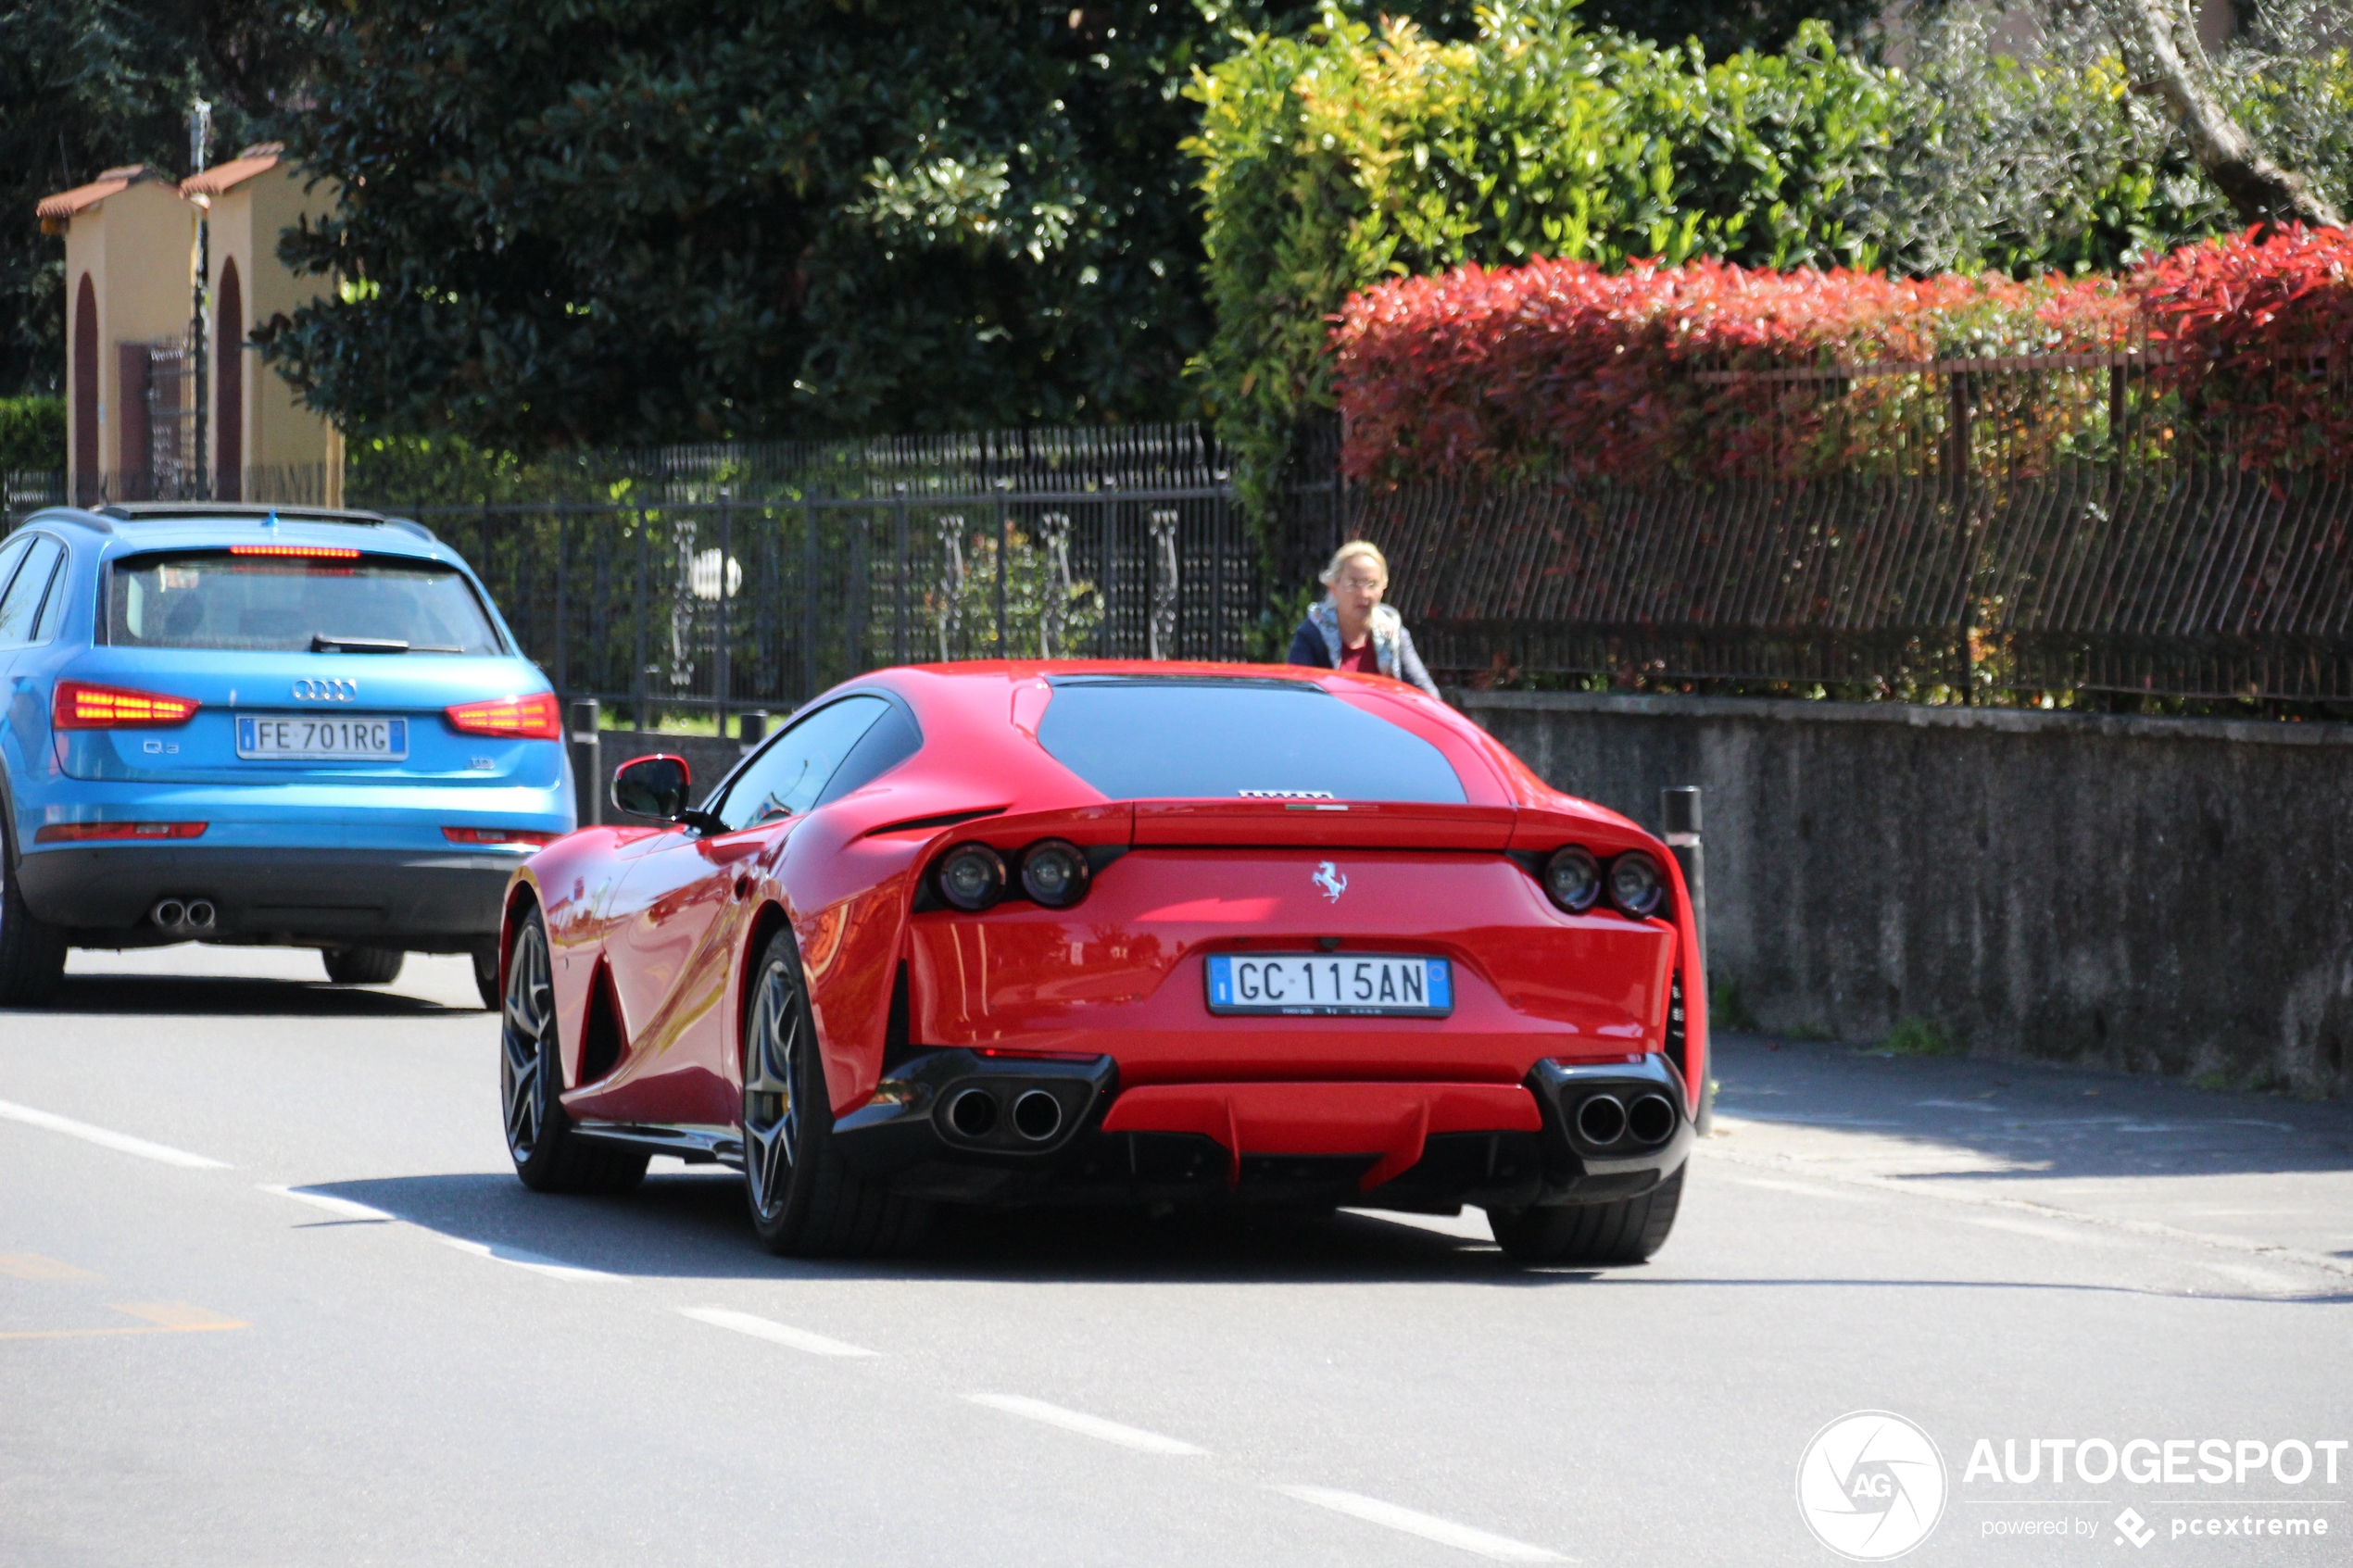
[270, 1295]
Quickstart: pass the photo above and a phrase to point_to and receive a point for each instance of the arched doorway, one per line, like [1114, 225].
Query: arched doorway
[229, 387]
[85, 393]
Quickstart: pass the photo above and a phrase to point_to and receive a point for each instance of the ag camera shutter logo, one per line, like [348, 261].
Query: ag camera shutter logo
[1871, 1486]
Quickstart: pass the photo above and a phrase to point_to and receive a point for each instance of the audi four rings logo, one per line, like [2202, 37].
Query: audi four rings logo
[326, 691]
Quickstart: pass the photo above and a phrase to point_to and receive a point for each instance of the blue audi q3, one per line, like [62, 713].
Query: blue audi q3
[240, 724]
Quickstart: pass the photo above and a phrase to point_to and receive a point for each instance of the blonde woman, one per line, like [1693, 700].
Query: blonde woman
[1351, 629]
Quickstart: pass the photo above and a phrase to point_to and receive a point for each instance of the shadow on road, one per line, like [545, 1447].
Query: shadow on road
[225, 996]
[692, 1224]
[2012, 1121]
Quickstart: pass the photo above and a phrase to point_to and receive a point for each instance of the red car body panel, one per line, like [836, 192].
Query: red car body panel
[674, 920]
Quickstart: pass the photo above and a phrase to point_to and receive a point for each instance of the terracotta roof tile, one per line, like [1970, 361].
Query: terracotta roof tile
[82, 199]
[257, 159]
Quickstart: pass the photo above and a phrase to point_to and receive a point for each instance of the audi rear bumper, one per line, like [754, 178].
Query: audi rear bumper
[416, 900]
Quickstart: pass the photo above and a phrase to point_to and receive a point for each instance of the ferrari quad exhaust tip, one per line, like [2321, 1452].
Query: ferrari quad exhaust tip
[1602, 1119]
[1038, 1116]
[973, 1113]
[1650, 1118]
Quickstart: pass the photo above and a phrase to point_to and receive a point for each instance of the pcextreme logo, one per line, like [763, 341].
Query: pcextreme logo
[1871, 1486]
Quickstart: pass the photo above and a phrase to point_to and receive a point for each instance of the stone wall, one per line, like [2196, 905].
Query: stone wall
[2152, 894]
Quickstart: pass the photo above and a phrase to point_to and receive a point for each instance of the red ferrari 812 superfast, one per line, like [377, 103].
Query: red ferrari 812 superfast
[1102, 933]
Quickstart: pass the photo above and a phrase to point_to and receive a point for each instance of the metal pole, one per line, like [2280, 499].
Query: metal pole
[1001, 578]
[809, 597]
[588, 763]
[1680, 818]
[899, 583]
[199, 142]
[563, 671]
[637, 680]
[721, 675]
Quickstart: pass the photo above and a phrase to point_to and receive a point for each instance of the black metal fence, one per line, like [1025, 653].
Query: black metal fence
[1966, 530]
[713, 606]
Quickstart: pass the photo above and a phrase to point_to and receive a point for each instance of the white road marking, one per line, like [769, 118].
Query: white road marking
[1445, 1532]
[1084, 1424]
[342, 1206]
[1803, 1190]
[774, 1332]
[121, 1142]
[532, 1261]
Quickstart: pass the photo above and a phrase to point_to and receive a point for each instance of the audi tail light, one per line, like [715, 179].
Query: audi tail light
[536, 716]
[84, 833]
[519, 837]
[79, 704]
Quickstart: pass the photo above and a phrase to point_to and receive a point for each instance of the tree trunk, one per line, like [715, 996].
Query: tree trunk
[2260, 190]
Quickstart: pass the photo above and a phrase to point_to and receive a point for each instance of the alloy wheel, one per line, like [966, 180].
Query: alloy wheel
[529, 1028]
[772, 1121]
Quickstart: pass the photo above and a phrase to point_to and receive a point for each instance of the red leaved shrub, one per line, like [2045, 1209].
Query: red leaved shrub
[1558, 368]
[2261, 333]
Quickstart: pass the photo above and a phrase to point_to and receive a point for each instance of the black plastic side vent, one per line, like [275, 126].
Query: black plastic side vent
[600, 1039]
[896, 1049]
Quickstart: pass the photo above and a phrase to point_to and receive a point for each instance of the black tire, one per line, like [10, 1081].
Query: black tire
[486, 962]
[363, 966]
[1625, 1231]
[548, 1156]
[804, 1203]
[32, 952]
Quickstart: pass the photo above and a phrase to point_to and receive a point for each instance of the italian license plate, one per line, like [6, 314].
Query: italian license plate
[1335, 985]
[297, 738]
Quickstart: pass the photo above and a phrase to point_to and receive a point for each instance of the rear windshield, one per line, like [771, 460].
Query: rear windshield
[288, 603]
[1145, 738]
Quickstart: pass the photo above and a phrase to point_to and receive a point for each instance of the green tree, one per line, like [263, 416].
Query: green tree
[648, 220]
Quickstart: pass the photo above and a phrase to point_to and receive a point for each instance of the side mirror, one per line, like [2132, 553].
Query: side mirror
[653, 786]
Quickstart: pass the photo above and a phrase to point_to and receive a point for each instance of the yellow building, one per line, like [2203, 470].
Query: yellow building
[132, 393]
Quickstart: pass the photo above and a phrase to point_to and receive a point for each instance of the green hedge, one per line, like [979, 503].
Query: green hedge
[1354, 153]
[33, 433]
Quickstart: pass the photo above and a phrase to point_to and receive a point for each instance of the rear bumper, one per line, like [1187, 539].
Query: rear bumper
[1419, 1146]
[418, 901]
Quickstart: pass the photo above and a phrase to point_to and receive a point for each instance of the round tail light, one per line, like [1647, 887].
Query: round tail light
[1055, 873]
[971, 877]
[1572, 880]
[1635, 885]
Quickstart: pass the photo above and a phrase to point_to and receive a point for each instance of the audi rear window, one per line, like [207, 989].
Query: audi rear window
[1249, 737]
[290, 602]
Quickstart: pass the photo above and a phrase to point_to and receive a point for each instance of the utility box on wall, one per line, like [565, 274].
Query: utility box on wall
[132, 392]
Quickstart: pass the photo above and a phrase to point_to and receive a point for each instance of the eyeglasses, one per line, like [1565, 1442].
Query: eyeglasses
[1360, 584]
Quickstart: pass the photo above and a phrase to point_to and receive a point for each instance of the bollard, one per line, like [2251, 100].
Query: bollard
[751, 728]
[588, 763]
[1679, 821]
